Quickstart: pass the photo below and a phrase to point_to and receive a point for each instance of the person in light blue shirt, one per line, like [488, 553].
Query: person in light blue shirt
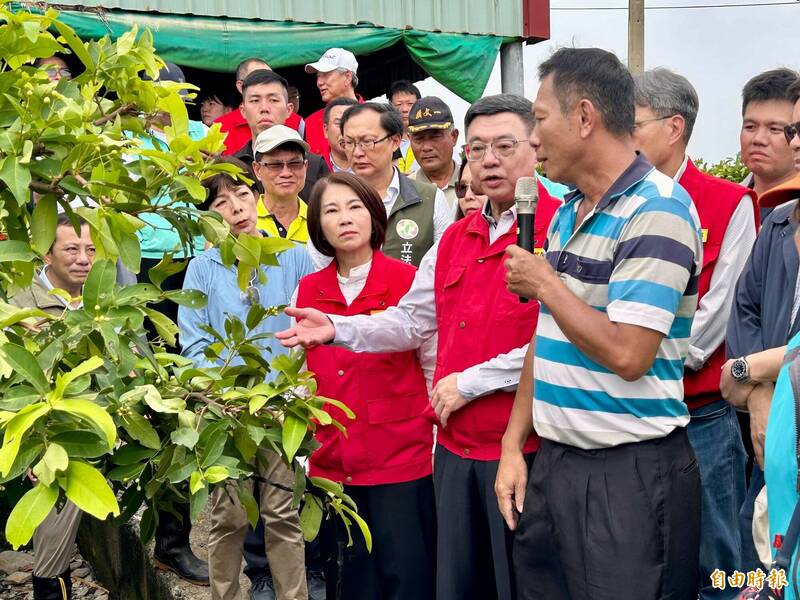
[236, 203]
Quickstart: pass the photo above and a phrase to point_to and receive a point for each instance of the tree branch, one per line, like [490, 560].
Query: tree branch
[125, 109]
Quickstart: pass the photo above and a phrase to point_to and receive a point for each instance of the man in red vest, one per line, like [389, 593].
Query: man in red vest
[336, 78]
[483, 332]
[666, 108]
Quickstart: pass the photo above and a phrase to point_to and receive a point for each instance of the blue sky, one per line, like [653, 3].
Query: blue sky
[717, 49]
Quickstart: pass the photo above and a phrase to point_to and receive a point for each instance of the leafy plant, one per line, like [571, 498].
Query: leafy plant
[100, 415]
[732, 168]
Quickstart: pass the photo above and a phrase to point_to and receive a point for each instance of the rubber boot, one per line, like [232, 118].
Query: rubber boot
[53, 588]
[173, 552]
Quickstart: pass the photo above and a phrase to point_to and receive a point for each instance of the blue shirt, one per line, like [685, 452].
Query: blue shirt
[780, 459]
[208, 274]
[636, 256]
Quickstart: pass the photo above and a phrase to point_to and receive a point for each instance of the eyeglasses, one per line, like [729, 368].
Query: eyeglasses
[461, 189]
[501, 149]
[251, 294]
[56, 70]
[638, 124]
[276, 166]
[365, 145]
[791, 130]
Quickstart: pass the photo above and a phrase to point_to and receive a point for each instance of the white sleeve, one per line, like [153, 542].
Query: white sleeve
[711, 318]
[318, 259]
[398, 328]
[442, 215]
[499, 373]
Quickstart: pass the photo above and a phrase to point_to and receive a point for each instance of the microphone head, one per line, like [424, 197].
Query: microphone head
[526, 195]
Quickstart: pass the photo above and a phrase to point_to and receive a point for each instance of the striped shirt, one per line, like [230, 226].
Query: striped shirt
[636, 257]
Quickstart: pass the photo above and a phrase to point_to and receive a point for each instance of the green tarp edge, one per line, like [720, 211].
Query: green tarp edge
[460, 62]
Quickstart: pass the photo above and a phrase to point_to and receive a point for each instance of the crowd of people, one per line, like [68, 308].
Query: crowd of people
[609, 439]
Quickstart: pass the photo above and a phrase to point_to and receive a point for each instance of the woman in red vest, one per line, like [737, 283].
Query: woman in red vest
[384, 460]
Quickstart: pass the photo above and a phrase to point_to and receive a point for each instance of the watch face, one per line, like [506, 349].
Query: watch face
[737, 369]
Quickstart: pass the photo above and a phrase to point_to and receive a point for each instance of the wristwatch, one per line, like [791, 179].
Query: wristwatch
[740, 370]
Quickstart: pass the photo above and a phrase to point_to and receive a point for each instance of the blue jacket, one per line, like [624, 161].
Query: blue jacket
[762, 306]
[207, 274]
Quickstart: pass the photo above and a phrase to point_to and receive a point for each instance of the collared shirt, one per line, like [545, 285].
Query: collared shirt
[711, 318]
[48, 285]
[442, 218]
[298, 229]
[406, 163]
[413, 322]
[449, 190]
[336, 168]
[636, 257]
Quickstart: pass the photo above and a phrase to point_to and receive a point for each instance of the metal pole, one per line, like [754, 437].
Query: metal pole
[636, 36]
[511, 72]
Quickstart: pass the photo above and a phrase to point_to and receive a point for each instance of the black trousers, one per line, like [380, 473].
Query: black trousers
[474, 544]
[402, 564]
[613, 524]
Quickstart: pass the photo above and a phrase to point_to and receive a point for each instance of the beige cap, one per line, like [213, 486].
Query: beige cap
[275, 136]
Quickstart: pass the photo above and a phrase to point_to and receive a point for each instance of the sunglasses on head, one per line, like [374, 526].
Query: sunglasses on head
[791, 130]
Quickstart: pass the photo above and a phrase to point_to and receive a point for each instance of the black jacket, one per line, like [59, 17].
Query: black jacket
[317, 168]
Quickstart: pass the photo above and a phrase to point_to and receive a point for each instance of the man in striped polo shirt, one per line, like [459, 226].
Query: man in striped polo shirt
[612, 505]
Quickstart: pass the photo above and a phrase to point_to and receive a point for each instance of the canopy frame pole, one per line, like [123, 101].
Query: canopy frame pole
[511, 69]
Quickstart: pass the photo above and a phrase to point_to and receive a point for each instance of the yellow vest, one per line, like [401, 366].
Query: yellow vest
[297, 230]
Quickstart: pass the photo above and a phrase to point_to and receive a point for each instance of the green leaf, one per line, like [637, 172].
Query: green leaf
[211, 444]
[162, 405]
[164, 326]
[140, 429]
[310, 518]
[17, 178]
[13, 250]
[300, 481]
[193, 186]
[165, 267]
[125, 473]
[362, 525]
[82, 443]
[99, 286]
[215, 474]
[180, 472]
[147, 526]
[196, 482]
[55, 459]
[93, 413]
[244, 443]
[250, 505]
[294, 430]
[29, 513]
[89, 490]
[190, 298]
[43, 224]
[75, 43]
[132, 453]
[15, 431]
[63, 380]
[185, 437]
[24, 363]
[197, 503]
[137, 294]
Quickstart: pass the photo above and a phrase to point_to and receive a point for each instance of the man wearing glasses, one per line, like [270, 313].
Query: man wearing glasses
[265, 103]
[483, 331]
[418, 212]
[280, 165]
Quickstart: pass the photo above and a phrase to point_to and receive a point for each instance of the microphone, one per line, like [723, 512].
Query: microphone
[526, 197]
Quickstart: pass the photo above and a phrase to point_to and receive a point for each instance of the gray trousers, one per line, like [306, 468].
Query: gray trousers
[54, 541]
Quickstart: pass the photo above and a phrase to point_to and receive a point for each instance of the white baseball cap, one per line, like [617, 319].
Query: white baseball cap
[335, 58]
[275, 136]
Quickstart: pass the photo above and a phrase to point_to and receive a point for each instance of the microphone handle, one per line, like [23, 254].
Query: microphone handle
[525, 235]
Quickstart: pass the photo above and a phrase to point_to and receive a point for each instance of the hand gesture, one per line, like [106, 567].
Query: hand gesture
[313, 328]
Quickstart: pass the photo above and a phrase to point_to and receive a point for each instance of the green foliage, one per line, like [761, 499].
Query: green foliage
[99, 414]
[731, 169]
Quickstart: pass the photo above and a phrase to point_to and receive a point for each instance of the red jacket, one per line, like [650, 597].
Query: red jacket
[235, 125]
[389, 441]
[477, 319]
[315, 132]
[715, 200]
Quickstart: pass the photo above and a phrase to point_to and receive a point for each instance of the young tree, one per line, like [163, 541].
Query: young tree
[99, 414]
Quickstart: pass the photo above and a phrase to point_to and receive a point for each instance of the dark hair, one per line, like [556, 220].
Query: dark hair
[265, 76]
[240, 68]
[460, 213]
[63, 220]
[794, 92]
[341, 101]
[403, 86]
[225, 181]
[391, 119]
[499, 104]
[595, 75]
[223, 97]
[365, 193]
[769, 85]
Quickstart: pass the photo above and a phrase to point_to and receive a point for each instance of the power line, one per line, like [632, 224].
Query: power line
[679, 7]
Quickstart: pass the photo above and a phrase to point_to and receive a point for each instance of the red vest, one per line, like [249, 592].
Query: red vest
[235, 125]
[315, 133]
[715, 200]
[389, 441]
[477, 319]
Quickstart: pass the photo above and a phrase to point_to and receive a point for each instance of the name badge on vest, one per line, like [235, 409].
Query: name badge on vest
[538, 251]
[704, 235]
[407, 230]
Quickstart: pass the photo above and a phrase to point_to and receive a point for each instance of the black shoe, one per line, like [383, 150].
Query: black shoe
[173, 552]
[53, 588]
[316, 584]
[263, 588]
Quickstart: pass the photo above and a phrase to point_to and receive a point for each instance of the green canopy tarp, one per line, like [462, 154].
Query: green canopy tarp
[460, 62]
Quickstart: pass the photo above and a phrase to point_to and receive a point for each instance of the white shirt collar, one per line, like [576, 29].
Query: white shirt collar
[393, 191]
[682, 168]
[356, 273]
[48, 285]
[509, 213]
